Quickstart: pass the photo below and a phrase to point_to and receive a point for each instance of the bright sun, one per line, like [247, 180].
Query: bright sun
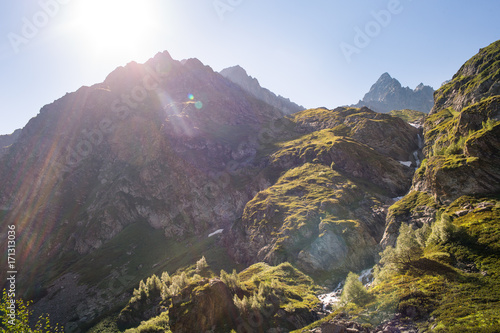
[114, 26]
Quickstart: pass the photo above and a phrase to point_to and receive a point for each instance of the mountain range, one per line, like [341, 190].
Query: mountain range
[171, 197]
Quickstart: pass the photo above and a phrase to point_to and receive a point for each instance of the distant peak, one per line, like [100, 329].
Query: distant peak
[234, 70]
[385, 76]
[388, 94]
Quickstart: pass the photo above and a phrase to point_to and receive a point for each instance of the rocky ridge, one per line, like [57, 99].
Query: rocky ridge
[387, 94]
[251, 85]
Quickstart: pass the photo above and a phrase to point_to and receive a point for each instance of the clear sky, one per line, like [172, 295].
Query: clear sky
[317, 53]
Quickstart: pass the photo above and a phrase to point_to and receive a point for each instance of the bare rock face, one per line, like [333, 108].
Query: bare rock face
[461, 135]
[387, 94]
[476, 80]
[251, 85]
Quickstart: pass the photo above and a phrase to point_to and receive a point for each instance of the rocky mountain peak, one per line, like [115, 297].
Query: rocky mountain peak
[388, 94]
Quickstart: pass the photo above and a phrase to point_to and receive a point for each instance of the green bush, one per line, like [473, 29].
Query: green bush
[407, 250]
[201, 265]
[231, 280]
[441, 230]
[354, 291]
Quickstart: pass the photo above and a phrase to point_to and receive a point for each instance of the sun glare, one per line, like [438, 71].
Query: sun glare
[114, 26]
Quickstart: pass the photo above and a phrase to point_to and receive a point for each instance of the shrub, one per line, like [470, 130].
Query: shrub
[201, 265]
[166, 279]
[154, 286]
[231, 280]
[354, 291]
[156, 324]
[407, 250]
[441, 230]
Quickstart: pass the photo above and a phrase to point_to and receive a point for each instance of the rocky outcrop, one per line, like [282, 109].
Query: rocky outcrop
[387, 94]
[251, 85]
[477, 79]
[210, 306]
[462, 133]
[386, 134]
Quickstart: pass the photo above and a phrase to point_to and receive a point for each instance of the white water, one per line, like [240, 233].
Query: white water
[420, 142]
[417, 160]
[366, 277]
[331, 298]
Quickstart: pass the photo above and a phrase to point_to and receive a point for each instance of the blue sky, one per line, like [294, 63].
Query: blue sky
[317, 53]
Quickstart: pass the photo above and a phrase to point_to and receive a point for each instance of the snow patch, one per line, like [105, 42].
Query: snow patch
[216, 232]
[406, 163]
[397, 198]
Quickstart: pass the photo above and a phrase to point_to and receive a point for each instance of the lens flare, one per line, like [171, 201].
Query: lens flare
[191, 96]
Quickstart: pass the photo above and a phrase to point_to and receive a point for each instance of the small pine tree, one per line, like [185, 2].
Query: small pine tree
[354, 291]
[174, 289]
[143, 290]
[241, 304]
[196, 278]
[231, 280]
[201, 265]
[166, 279]
[154, 286]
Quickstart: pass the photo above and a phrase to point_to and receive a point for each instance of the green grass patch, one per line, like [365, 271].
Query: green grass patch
[410, 202]
[410, 116]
